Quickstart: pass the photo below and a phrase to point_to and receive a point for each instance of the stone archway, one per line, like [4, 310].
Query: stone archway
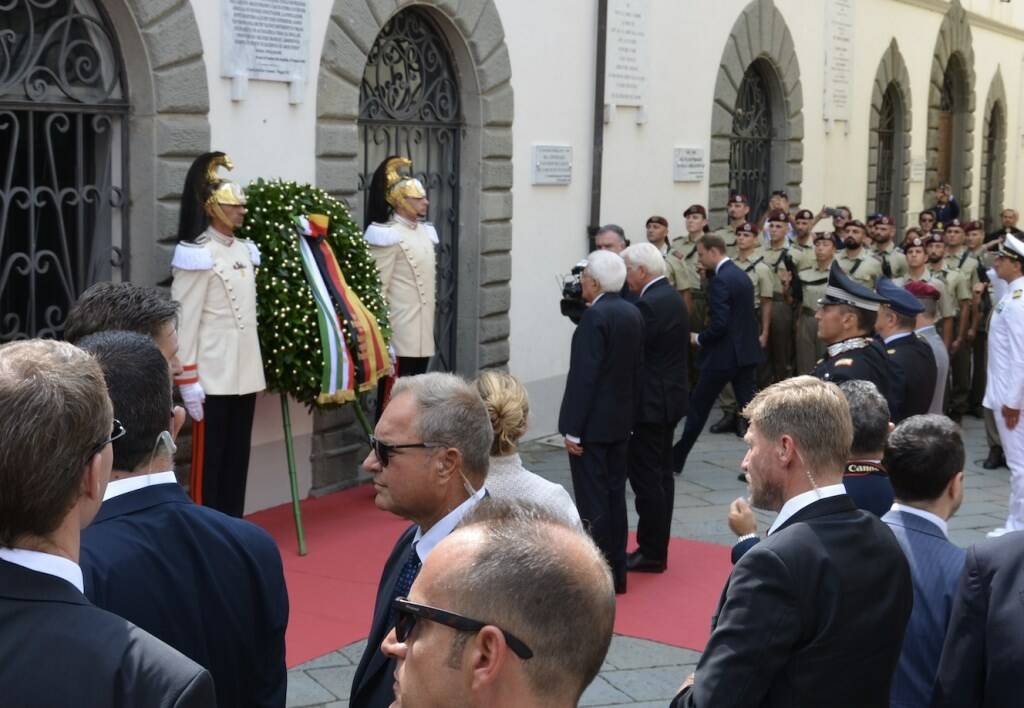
[993, 156]
[169, 124]
[759, 35]
[891, 74]
[953, 49]
[476, 38]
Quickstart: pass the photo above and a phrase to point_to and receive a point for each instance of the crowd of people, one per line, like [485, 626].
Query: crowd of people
[501, 592]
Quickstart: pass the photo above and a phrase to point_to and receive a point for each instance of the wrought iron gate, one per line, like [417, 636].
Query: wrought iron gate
[409, 105]
[989, 189]
[885, 170]
[63, 160]
[750, 147]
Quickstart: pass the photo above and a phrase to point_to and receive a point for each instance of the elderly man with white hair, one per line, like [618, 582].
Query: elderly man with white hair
[600, 403]
[663, 397]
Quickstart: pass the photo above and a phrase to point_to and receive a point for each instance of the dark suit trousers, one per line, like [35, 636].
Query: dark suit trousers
[650, 475]
[226, 452]
[599, 484]
[703, 398]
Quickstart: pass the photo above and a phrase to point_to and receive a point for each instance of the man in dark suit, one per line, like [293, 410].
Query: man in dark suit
[796, 624]
[984, 648]
[911, 360]
[57, 649]
[846, 322]
[729, 350]
[210, 585]
[663, 394]
[599, 405]
[925, 459]
[428, 458]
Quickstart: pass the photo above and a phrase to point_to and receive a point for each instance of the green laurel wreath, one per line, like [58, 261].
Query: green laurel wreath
[288, 330]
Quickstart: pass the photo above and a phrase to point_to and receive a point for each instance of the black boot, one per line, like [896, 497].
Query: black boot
[995, 458]
[725, 424]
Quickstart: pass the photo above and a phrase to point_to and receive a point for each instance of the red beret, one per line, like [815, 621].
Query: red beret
[657, 220]
[696, 209]
[804, 214]
[921, 290]
[737, 198]
[745, 228]
[778, 215]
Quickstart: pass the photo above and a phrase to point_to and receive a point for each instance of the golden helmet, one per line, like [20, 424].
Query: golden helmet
[401, 187]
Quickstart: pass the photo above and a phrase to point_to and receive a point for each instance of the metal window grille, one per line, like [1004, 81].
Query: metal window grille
[750, 146]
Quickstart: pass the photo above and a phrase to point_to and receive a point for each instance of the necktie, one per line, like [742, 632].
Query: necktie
[409, 572]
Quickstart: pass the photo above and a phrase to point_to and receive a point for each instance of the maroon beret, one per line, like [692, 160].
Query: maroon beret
[657, 220]
[696, 209]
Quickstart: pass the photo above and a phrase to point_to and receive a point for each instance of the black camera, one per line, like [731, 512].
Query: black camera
[573, 306]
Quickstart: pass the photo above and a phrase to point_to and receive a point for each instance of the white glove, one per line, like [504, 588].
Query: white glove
[193, 396]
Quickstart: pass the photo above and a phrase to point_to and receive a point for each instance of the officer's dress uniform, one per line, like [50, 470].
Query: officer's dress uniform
[405, 255]
[1006, 388]
[864, 268]
[856, 358]
[809, 349]
[218, 344]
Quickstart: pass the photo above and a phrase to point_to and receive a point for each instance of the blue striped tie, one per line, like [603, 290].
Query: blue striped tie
[409, 572]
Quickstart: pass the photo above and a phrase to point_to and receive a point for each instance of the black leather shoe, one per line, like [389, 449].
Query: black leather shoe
[995, 458]
[620, 585]
[678, 461]
[725, 424]
[637, 563]
[741, 426]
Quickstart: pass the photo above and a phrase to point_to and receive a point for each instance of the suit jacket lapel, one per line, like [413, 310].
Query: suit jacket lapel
[20, 583]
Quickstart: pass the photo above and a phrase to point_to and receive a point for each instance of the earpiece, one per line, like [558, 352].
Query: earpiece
[167, 441]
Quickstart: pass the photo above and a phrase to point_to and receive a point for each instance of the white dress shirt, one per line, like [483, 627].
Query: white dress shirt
[798, 502]
[57, 566]
[135, 482]
[424, 542]
[926, 515]
[896, 335]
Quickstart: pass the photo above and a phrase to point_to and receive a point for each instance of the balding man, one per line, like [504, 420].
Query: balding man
[513, 610]
[428, 458]
[600, 404]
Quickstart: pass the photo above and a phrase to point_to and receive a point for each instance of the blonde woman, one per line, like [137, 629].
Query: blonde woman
[509, 407]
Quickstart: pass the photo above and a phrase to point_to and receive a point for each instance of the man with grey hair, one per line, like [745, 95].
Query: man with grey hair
[514, 609]
[795, 625]
[663, 397]
[428, 458]
[611, 237]
[56, 430]
[600, 404]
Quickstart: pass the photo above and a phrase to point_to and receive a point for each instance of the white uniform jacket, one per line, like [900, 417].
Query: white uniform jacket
[214, 280]
[406, 259]
[1005, 385]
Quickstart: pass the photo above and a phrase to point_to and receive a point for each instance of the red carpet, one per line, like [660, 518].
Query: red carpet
[332, 589]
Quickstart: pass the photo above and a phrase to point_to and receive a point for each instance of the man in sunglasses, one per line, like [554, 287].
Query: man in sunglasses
[514, 609]
[428, 458]
[56, 426]
[209, 584]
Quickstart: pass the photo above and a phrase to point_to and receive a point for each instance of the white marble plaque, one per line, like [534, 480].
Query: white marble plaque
[839, 58]
[625, 72]
[265, 39]
[688, 164]
[552, 164]
[917, 169]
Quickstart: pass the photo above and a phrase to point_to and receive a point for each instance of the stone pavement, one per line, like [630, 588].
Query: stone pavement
[640, 673]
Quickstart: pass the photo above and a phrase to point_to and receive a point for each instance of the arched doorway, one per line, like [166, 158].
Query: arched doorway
[952, 125]
[754, 138]
[889, 168]
[63, 161]
[409, 105]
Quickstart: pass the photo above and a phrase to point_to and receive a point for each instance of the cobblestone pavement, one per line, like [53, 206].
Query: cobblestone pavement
[640, 673]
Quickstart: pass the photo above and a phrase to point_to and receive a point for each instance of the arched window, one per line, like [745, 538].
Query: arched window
[753, 139]
[409, 105]
[63, 160]
[952, 125]
[889, 169]
[993, 161]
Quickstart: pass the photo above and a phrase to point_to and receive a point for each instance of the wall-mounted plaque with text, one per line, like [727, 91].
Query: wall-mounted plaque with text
[552, 164]
[625, 74]
[265, 39]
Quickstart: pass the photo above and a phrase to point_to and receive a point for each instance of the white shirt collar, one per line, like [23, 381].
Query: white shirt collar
[424, 542]
[660, 277]
[721, 263]
[926, 329]
[599, 296]
[135, 482]
[897, 335]
[926, 515]
[798, 502]
[57, 566]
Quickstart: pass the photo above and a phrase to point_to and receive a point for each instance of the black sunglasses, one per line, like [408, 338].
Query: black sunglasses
[383, 450]
[116, 432]
[408, 613]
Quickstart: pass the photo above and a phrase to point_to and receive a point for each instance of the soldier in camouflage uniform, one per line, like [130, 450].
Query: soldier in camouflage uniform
[854, 259]
[813, 279]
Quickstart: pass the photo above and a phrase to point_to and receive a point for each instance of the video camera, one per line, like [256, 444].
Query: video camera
[573, 306]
